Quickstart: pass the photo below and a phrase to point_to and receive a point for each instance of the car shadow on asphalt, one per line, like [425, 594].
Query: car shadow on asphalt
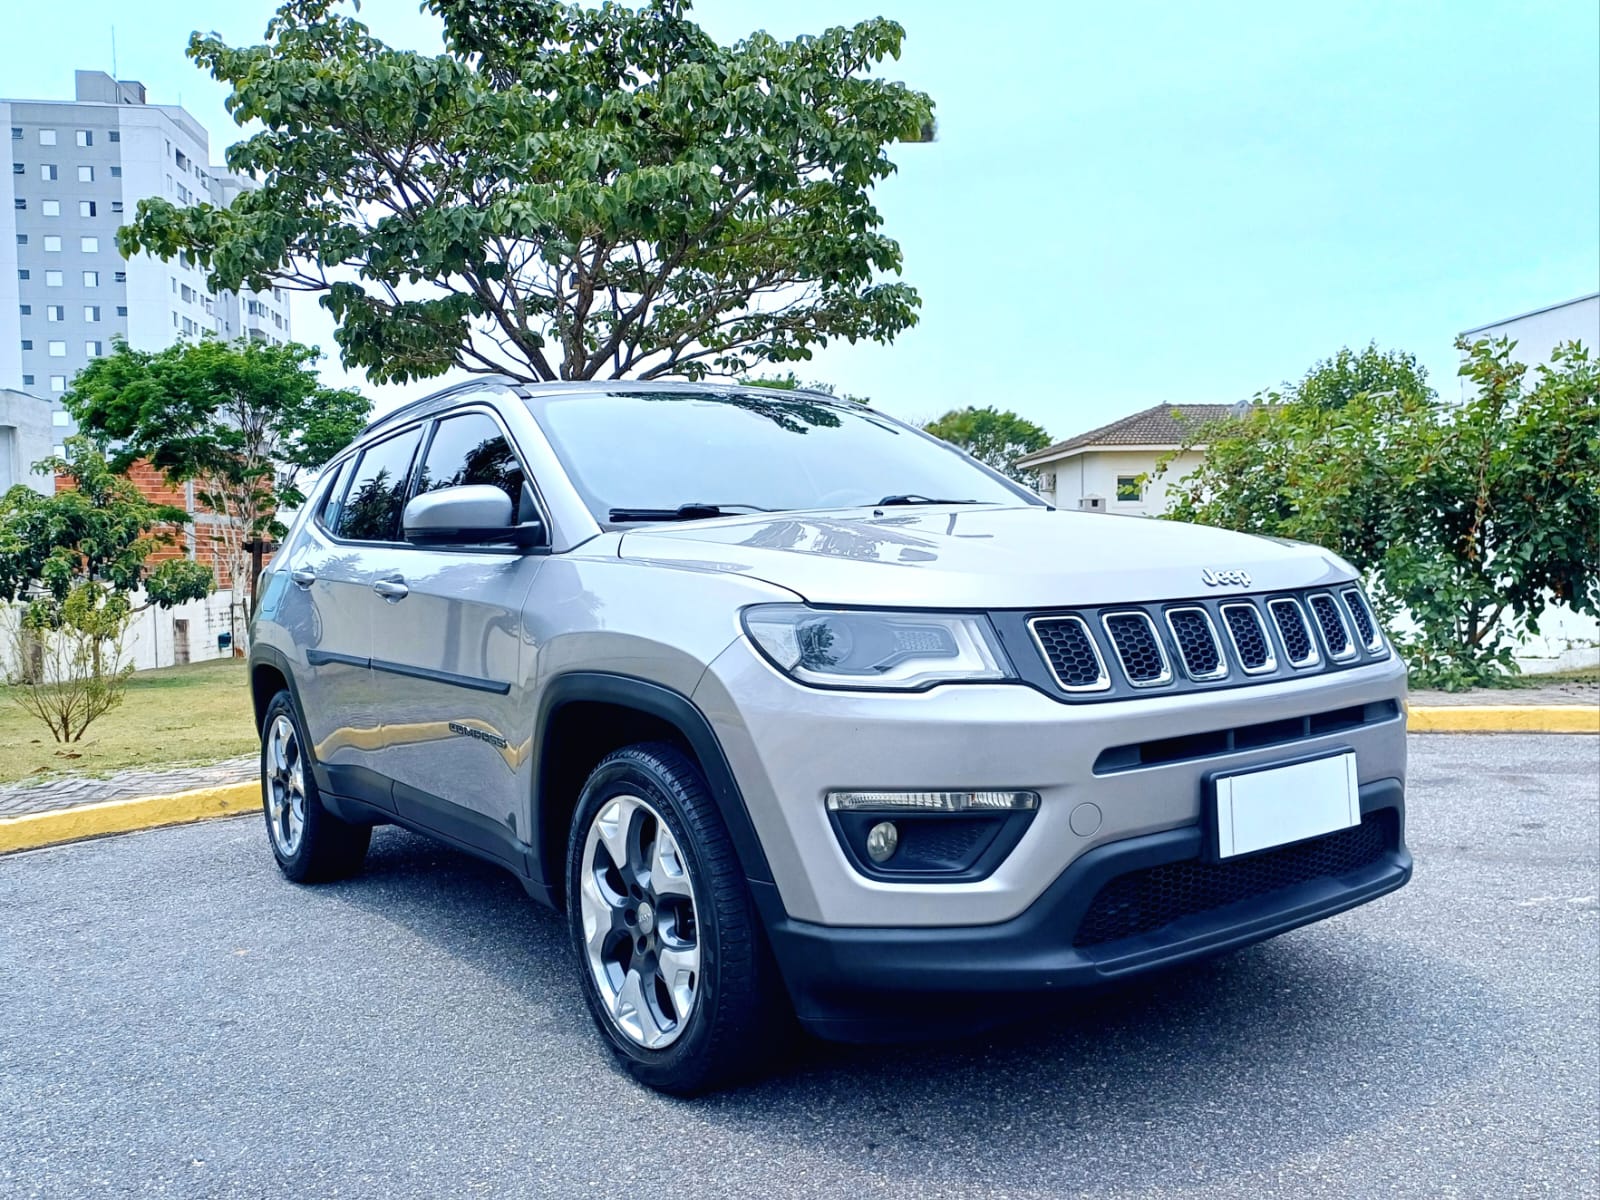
[1259, 1056]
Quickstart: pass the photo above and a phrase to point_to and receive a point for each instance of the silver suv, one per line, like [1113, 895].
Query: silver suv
[800, 713]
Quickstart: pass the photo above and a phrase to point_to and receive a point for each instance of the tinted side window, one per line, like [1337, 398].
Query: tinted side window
[377, 493]
[331, 500]
[471, 449]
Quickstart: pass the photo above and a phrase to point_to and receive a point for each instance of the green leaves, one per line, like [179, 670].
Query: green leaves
[1469, 520]
[994, 438]
[567, 192]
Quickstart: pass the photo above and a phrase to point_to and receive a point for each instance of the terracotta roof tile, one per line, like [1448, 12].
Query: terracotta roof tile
[1159, 425]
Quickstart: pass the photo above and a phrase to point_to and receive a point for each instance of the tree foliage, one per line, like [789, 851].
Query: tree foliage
[790, 382]
[243, 420]
[993, 437]
[1469, 520]
[75, 560]
[566, 192]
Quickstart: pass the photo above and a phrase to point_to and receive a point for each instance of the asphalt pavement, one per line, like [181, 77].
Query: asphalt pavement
[177, 1020]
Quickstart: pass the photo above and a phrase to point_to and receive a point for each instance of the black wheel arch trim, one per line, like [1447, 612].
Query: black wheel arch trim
[677, 710]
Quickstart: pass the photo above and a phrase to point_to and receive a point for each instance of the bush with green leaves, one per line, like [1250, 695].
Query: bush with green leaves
[71, 564]
[1469, 520]
[995, 438]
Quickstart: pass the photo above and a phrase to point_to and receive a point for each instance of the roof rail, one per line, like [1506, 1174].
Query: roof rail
[412, 406]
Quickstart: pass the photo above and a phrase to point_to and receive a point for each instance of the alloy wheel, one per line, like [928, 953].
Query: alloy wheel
[285, 771]
[641, 933]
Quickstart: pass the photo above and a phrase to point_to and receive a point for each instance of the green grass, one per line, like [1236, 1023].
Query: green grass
[1574, 675]
[176, 716]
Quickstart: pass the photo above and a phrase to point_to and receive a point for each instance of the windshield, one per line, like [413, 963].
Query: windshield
[646, 455]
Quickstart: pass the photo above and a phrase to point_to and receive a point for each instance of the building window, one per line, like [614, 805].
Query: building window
[19, 203]
[120, 277]
[85, 137]
[116, 206]
[91, 312]
[47, 172]
[1129, 488]
[114, 136]
[23, 274]
[116, 172]
[86, 208]
[85, 174]
[91, 279]
[92, 349]
[60, 418]
[27, 381]
[27, 343]
[20, 168]
[47, 137]
[16, 133]
[52, 279]
[52, 244]
[50, 208]
[58, 383]
[58, 349]
[61, 451]
[89, 245]
[122, 310]
[54, 312]
[22, 239]
[25, 309]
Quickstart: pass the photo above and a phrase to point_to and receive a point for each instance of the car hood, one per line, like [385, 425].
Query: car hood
[961, 556]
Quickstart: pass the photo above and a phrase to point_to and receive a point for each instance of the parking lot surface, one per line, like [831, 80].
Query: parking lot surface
[180, 1021]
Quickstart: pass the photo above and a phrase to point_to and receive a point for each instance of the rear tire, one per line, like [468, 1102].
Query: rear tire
[310, 844]
[675, 968]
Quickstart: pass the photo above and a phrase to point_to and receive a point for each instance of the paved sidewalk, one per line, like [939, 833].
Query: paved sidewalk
[69, 791]
[1564, 691]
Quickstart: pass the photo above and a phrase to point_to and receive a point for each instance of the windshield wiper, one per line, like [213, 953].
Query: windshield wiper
[696, 510]
[912, 498]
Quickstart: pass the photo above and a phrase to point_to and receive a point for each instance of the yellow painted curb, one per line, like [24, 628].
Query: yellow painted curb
[1504, 718]
[124, 816]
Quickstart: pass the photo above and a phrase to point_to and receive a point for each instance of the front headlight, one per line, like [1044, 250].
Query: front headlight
[885, 650]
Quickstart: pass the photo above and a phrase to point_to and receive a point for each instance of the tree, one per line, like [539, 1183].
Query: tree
[993, 437]
[565, 193]
[242, 420]
[1334, 382]
[75, 560]
[1470, 520]
[790, 382]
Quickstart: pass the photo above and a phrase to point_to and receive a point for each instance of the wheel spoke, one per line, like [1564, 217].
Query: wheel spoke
[614, 824]
[633, 1011]
[680, 969]
[668, 874]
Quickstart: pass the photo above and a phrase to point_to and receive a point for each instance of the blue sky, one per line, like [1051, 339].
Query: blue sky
[1135, 203]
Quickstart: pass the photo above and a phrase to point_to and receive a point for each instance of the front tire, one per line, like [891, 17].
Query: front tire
[311, 845]
[674, 967]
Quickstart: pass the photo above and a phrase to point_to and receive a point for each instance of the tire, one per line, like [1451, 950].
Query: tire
[675, 919]
[310, 843]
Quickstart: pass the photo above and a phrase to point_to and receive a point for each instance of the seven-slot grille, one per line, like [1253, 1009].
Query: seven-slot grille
[1103, 653]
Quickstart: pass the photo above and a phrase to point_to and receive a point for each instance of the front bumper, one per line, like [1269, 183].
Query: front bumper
[863, 984]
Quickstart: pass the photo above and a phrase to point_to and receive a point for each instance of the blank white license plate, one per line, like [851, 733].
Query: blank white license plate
[1278, 805]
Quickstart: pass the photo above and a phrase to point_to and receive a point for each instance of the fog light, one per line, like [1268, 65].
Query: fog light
[882, 839]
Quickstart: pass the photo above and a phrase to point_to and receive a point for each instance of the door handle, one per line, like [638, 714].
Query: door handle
[303, 577]
[391, 589]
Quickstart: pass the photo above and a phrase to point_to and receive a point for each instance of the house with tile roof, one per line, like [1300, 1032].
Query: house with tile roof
[1107, 469]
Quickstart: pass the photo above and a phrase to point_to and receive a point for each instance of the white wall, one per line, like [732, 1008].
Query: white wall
[1095, 472]
[1538, 333]
[152, 637]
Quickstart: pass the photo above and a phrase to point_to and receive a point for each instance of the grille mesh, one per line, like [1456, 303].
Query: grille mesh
[1292, 629]
[1070, 652]
[1196, 642]
[1334, 633]
[1135, 640]
[1146, 900]
[1249, 638]
[1357, 603]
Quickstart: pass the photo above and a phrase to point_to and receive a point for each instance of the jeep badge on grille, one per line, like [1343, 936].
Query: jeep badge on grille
[1225, 578]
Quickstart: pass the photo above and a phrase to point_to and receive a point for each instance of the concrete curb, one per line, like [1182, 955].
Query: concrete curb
[33, 830]
[149, 812]
[1504, 718]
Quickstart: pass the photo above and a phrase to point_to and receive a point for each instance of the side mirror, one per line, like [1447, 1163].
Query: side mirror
[474, 515]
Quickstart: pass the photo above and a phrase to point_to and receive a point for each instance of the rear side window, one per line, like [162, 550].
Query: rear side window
[471, 449]
[332, 498]
[377, 492]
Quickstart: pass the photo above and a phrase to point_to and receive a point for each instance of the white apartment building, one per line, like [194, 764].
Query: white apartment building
[1539, 332]
[78, 170]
